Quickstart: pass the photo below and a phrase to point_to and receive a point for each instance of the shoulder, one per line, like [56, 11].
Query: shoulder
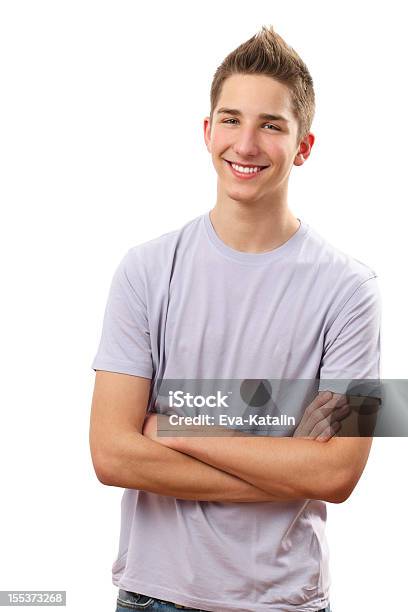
[153, 257]
[333, 265]
[339, 278]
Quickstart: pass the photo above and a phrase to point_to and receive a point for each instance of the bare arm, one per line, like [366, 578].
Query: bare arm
[291, 467]
[123, 457]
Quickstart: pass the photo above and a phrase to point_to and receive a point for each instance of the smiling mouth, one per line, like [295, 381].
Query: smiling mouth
[245, 171]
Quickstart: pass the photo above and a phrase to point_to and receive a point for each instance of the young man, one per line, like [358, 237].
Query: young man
[246, 291]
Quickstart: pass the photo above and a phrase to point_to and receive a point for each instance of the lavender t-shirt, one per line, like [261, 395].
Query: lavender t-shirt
[187, 306]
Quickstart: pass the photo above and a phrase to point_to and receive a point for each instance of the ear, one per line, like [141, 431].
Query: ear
[207, 133]
[303, 152]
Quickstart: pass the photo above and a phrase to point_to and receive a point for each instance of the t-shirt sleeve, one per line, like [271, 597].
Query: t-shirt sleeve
[352, 343]
[125, 340]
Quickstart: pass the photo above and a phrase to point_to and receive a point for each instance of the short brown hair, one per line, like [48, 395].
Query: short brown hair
[268, 54]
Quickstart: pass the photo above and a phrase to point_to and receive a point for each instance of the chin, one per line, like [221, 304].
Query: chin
[239, 196]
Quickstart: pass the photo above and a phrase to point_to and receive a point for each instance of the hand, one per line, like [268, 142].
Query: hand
[321, 419]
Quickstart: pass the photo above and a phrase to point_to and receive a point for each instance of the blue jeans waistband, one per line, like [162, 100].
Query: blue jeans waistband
[128, 600]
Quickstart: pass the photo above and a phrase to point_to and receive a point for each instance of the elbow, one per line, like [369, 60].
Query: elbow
[338, 497]
[106, 459]
[104, 477]
[103, 468]
[342, 489]
[119, 462]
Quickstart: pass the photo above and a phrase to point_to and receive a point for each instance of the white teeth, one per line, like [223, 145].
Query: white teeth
[246, 170]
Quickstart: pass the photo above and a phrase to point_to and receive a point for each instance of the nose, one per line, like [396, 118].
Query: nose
[246, 143]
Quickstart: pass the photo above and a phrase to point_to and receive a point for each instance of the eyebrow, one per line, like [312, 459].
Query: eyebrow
[267, 116]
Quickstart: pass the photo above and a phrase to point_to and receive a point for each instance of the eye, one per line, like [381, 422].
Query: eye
[270, 124]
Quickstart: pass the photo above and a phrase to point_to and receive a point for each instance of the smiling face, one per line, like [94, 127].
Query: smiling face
[253, 126]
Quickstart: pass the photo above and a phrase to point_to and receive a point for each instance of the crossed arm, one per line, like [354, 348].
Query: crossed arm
[289, 468]
[230, 469]
[123, 457]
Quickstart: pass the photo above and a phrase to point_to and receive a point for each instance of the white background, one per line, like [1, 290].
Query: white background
[102, 148]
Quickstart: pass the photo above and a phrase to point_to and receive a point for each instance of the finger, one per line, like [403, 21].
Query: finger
[320, 428]
[341, 413]
[338, 414]
[318, 410]
[327, 410]
[322, 406]
[329, 432]
[321, 399]
[341, 398]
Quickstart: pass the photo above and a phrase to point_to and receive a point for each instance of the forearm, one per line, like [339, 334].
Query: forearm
[292, 468]
[139, 463]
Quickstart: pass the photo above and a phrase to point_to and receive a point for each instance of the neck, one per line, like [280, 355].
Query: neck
[253, 228]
